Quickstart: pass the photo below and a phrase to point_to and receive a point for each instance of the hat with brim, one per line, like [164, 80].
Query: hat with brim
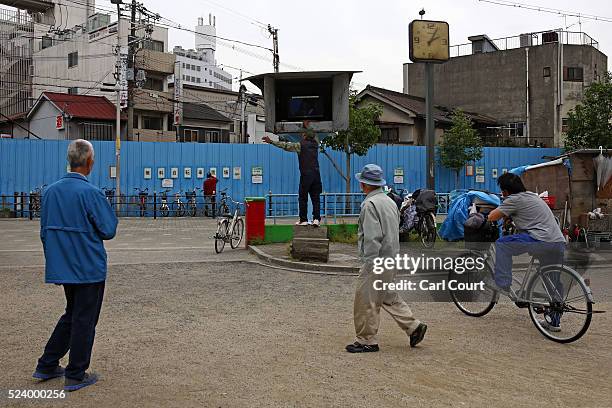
[372, 175]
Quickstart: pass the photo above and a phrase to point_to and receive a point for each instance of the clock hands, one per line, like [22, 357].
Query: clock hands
[433, 36]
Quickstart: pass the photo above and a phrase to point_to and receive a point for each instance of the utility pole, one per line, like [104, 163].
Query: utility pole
[118, 130]
[132, 68]
[429, 126]
[242, 99]
[276, 58]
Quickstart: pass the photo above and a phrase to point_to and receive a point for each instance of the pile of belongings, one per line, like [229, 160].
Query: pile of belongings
[419, 202]
[452, 228]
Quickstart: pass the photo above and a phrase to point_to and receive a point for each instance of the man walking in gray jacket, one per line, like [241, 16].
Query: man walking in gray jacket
[378, 238]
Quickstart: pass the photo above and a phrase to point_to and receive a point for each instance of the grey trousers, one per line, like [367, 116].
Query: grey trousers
[368, 302]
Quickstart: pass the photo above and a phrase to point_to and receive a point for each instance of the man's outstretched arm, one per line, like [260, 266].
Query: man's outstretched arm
[288, 146]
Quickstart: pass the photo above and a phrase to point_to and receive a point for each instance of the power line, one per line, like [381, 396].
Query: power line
[548, 10]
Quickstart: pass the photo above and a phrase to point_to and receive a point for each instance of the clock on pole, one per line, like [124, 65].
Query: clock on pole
[428, 41]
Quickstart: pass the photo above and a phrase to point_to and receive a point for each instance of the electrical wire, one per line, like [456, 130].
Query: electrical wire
[548, 10]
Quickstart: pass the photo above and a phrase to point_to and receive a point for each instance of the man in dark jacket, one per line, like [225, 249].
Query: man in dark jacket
[307, 150]
[210, 192]
[75, 220]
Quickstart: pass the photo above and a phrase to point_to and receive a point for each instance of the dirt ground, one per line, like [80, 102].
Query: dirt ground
[239, 335]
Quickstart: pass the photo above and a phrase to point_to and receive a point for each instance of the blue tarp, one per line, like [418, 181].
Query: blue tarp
[452, 227]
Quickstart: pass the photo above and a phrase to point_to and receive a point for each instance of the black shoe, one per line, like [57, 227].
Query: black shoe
[417, 335]
[73, 385]
[47, 375]
[357, 347]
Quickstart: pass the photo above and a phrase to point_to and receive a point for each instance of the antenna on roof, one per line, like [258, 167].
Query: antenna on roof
[422, 13]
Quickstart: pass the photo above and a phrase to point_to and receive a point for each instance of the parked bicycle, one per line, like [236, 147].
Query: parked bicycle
[418, 214]
[192, 204]
[230, 228]
[142, 200]
[164, 209]
[223, 208]
[178, 206]
[110, 195]
[35, 200]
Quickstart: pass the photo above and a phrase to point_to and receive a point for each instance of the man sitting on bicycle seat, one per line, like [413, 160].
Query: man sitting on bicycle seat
[538, 231]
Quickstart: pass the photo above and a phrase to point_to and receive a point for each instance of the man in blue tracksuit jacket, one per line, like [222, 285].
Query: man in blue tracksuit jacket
[75, 220]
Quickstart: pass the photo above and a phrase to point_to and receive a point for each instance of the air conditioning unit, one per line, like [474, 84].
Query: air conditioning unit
[526, 40]
[550, 37]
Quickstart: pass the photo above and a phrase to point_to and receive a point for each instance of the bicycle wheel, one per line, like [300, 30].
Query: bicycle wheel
[164, 211]
[180, 210]
[427, 231]
[471, 296]
[237, 233]
[560, 303]
[193, 210]
[221, 235]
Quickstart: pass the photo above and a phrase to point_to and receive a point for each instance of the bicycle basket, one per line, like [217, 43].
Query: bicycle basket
[480, 238]
[426, 201]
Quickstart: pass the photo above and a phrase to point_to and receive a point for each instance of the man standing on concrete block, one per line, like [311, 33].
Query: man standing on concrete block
[310, 178]
[378, 238]
[75, 220]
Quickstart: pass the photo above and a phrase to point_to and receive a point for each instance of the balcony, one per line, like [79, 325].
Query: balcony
[156, 101]
[155, 61]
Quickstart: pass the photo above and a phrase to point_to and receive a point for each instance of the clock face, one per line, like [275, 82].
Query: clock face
[429, 41]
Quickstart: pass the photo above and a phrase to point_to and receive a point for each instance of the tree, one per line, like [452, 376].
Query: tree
[590, 123]
[361, 135]
[460, 145]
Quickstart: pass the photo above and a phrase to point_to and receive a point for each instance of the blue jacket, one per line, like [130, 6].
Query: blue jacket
[75, 219]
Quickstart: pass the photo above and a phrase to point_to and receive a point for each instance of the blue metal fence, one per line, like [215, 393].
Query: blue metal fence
[27, 164]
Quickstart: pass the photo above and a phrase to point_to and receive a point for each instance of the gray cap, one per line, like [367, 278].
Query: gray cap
[371, 174]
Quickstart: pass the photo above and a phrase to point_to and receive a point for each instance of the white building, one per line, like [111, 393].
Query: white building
[198, 66]
[81, 61]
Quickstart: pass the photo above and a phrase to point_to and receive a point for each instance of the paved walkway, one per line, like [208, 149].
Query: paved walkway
[165, 240]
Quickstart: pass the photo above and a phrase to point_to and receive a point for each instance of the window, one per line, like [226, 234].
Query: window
[154, 84]
[546, 72]
[389, 135]
[152, 123]
[46, 42]
[564, 125]
[73, 59]
[572, 74]
[154, 45]
[198, 68]
[183, 65]
[97, 131]
[190, 136]
[135, 122]
[199, 79]
[73, 90]
[516, 129]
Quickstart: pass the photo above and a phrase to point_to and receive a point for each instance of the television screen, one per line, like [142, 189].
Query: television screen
[304, 99]
[305, 107]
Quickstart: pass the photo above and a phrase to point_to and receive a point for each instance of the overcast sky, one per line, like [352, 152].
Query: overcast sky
[360, 35]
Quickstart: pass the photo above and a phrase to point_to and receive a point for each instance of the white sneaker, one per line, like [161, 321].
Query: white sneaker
[548, 326]
[316, 223]
[302, 223]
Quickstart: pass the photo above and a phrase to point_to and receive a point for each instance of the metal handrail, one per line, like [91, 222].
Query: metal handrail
[333, 205]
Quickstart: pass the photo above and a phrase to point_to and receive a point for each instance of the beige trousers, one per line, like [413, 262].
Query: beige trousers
[368, 302]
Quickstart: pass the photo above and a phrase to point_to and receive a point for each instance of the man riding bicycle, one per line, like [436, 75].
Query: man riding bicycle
[538, 233]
